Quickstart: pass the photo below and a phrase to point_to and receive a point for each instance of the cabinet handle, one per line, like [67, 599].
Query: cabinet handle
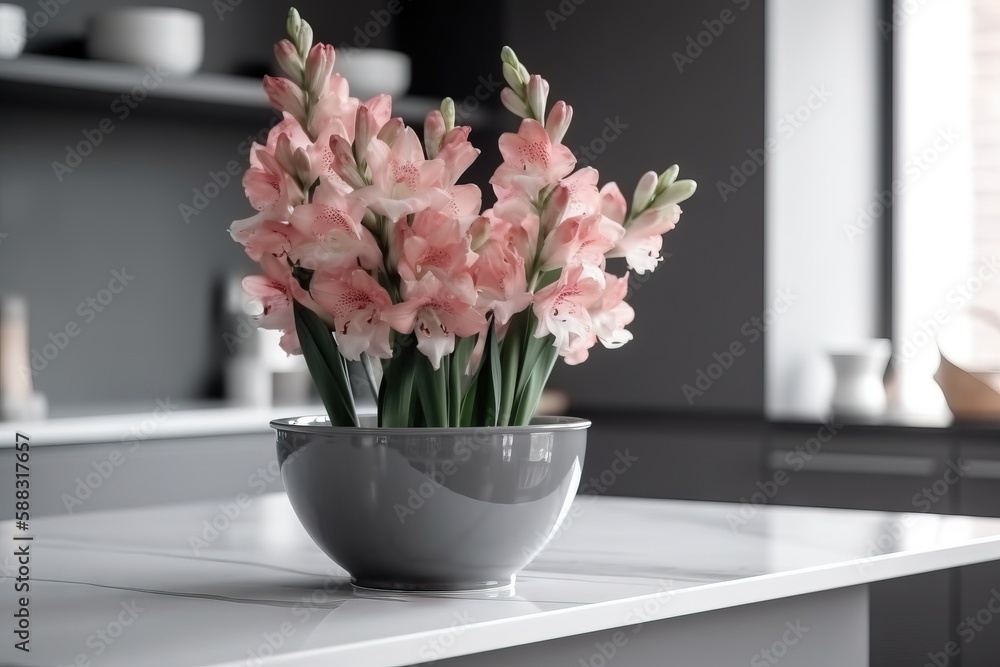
[855, 464]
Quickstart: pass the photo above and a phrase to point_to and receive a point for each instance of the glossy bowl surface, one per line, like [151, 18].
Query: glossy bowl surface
[431, 509]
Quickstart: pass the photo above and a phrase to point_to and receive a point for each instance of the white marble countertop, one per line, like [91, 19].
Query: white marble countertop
[161, 587]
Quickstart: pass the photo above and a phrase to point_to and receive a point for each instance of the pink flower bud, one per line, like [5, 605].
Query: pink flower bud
[555, 208]
[285, 96]
[288, 59]
[319, 68]
[344, 164]
[558, 122]
[538, 95]
[391, 130]
[434, 131]
[365, 128]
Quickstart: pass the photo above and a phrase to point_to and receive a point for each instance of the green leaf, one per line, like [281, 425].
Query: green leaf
[481, 405]
[432, 386]
[326, 366]
[527, 401]
[396, 398]
[366, 363]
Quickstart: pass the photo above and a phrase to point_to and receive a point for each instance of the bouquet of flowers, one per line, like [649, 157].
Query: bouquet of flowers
[372, 252]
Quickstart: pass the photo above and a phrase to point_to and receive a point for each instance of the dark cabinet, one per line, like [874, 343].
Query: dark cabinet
[979, 609]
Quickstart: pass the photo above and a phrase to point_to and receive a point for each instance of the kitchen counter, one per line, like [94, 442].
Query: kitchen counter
[640, 581]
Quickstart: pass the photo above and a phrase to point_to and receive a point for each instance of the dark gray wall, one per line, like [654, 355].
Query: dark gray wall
[614, 60]
[608, 59]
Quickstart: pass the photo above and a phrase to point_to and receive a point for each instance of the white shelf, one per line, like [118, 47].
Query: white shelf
[202, 88]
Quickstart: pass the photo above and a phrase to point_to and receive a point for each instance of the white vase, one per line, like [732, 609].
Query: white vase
[859, 390]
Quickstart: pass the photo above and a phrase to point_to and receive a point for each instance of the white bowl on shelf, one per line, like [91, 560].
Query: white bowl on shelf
[168, 37]
[372, 72]
[13, 30]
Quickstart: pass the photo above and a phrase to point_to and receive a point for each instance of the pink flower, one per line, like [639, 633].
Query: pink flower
[434, 243]
[269, 187]
[437, 312]
[276, 309]
[531, 160]
[356, 302]
[332, 234]
[403, 182]
[643, 239]
[612, 314]
[581, 239]
[563, 308]
[335, 107]
[501, 281]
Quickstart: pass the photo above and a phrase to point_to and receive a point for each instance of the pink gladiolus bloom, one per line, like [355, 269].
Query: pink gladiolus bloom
[276, 302]
[333, 234]
[337, 108]
[356, 302]
[563, 308]
[268, 187]
[643, 239]
[437, 312]
[582, 239]
[612, 314]
[531, 160]
[500, 279]
[434, 243]
[403, 182]
[584, 197]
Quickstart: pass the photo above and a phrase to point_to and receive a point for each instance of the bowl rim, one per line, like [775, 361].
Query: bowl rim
[539, 424]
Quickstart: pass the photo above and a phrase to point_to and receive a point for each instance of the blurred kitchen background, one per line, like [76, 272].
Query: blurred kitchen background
[847, 153]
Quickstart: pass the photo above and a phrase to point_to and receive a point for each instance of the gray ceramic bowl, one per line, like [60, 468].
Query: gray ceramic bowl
[431, 509]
